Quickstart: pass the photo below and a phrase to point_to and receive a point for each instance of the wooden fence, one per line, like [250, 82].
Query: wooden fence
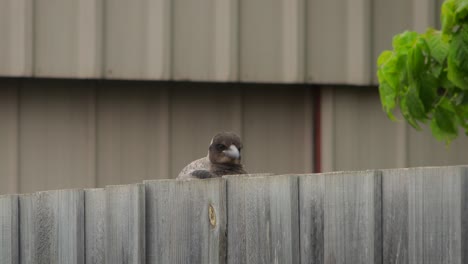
[415, 215]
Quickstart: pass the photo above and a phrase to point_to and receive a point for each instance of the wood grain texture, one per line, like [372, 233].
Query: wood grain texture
[263, 215]
[424, 215]
[181, 227]
[9, 231]
[125, 224]
[52, 227]
[341, 217]
[312, 209]
[95, 225]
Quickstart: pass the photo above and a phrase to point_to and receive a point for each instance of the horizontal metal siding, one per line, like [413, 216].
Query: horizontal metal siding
[295, 41]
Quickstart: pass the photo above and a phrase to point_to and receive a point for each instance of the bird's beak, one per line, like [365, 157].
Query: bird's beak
[232, 152]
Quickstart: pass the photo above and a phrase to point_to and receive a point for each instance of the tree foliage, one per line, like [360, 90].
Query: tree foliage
[426, 75]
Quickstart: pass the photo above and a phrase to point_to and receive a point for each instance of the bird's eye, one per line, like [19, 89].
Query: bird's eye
[220, 147]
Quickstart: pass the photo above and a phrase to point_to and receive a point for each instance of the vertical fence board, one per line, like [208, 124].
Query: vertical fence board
[186, 221]
[311, 208]
[346, 217]
[125, 219]
[9, 231]
[423, 216]
[263, 224]
[52, 227]
[95, 206]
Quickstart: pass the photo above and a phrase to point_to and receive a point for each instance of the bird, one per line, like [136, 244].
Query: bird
[224, 158]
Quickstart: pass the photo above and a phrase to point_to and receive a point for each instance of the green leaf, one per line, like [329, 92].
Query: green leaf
[462, 10]
[407, 114]
[444, 124]
[440, 134]
[428, 91]
[445, 82]
[416, 60]
[404, 41]
[439, 47]
[384, 57]
[437, 69]
[448, 16]
[387, 98]
[458, 59]
[427, 75]
[388, 71]
[415, 105]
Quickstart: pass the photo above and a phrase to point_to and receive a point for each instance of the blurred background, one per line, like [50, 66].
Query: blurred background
[100, 92]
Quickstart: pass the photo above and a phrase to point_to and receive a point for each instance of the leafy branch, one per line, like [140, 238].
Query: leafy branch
[426, 75]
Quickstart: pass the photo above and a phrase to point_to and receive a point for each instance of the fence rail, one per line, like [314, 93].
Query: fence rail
[414, 215]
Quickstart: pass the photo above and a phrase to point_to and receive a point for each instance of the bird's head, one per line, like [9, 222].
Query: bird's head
[225, 148]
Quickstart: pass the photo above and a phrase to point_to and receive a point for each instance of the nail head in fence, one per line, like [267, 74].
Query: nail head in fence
[95, 225]
[186, 221]
[125, 224]
[52, 227]
[424, 216]
[9, 253]
[341, 217]
[263, 224]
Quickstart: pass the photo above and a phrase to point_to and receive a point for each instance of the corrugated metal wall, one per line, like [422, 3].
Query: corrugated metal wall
[78, 133]
[357, 135]
[281, 41]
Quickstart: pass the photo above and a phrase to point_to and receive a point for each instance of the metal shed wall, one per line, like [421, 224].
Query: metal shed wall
[357, 135]
[81, 133]
[281, 41]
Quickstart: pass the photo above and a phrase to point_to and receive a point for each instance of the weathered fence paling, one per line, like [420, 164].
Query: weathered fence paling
[340, 217]
[263, 220]
[424, 215]
[125, 224]
[52, 227]
[187, 221]
[9, 236]
[390, 216]
[95, 225]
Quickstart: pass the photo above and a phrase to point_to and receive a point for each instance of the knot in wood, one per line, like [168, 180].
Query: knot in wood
[212, 215]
